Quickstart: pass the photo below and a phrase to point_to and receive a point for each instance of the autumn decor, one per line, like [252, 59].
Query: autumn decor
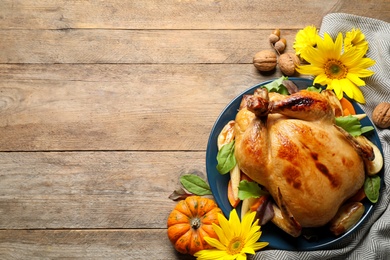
[190, 222]
[339, 65]
[197, 226]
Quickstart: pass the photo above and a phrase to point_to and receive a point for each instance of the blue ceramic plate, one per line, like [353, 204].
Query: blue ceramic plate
[277, 238]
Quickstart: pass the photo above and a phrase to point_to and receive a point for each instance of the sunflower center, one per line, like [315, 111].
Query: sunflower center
[335, 69]
[235, 245]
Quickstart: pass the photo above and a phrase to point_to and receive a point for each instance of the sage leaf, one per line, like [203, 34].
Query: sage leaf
[195, 185]
[366, 129]
[352, 125]
[277, 86]
[314, 89]
[372, 186]
[250, 189]
[225, 158]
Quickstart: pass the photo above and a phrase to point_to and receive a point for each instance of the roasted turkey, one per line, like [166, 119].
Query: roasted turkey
[291, 146]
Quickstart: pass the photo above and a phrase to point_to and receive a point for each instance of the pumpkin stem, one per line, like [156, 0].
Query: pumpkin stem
[195, 223]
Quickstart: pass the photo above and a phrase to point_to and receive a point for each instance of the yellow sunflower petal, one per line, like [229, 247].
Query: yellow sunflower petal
[338, 45]
[314, 56]
[337, 88]
[361, 73]
[356, 93]
[254, 229]
[255, 224]
[364, 63]
[221, 234]
[248, 250]
[358, 96]
[210, 254]
[347, 87]
[352, 57]
[229, 257]
[241, 256]
[321, 79]
[328, 48]
[247, 221]
[259, 245]
[253, 238]
[234, 222]
[224, 224]
[321, 43]
[215, 243]
[355, 80]
[309, 70]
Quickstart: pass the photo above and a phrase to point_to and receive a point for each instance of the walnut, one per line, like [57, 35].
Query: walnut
[381, 115]
[265, 60]
[288, 62]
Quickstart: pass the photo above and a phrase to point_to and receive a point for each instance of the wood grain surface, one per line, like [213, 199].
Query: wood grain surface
[105, 104]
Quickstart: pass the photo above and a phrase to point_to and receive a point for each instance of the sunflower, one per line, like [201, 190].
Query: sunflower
[356, 38]
[340, 72]
[307, 37]
[236, 239]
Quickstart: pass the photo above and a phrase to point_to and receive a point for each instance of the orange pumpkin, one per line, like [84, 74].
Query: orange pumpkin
[190, 221]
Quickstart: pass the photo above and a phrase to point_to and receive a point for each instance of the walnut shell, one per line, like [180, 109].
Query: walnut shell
[288, 62]
[381, 115]
[265, 60]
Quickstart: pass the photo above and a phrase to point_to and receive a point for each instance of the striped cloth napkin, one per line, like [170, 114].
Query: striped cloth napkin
[372, 239]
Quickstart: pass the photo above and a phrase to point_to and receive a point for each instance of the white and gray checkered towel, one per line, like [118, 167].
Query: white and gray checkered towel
[372, 239]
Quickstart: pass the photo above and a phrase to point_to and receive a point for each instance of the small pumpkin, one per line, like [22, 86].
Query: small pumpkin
[190, 221]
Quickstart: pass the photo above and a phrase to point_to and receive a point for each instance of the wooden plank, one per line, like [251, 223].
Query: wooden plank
[135, 46]
[91, 190]
[179, 14]
[115, 107]
[87, 244]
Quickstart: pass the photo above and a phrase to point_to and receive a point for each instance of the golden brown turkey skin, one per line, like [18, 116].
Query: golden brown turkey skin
[297, 149]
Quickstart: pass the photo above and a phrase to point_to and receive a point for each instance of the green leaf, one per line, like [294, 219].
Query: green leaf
[225, 158]
[277, 86]
[352, 125]
[195, 184]
[249, 189]
[314, 89]
[372, 186]
[366, 129]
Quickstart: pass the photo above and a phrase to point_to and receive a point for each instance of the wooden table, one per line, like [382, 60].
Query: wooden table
[104, 104]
